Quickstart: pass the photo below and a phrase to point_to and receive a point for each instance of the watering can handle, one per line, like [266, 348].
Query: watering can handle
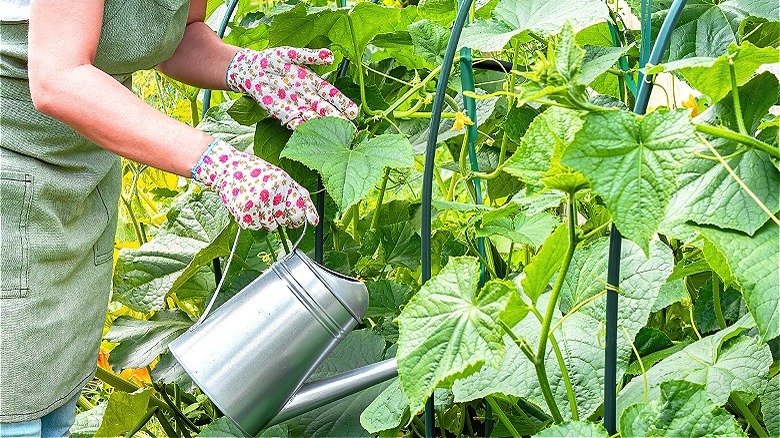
[227, 267]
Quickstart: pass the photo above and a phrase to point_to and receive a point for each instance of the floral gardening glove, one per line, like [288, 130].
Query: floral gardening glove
[258, 194]
[277, 79]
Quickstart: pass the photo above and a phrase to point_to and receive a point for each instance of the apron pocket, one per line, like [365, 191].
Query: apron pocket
[104, 247]
[16, 190]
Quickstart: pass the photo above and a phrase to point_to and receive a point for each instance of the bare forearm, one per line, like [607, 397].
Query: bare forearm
[101, 109]
[201, 59]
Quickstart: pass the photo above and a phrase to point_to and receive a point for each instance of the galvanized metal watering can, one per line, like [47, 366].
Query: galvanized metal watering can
[252, 355]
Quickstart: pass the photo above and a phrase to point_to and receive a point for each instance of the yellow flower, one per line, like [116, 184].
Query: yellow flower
[691, 103]
[461, 121]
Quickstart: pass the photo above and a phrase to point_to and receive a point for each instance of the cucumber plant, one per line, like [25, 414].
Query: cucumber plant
[693, 187]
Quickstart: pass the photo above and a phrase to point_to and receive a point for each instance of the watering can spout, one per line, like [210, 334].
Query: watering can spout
[321, 392]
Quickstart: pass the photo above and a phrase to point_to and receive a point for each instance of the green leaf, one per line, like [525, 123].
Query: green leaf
[574, 429]
[142, 341]
[770, 408]
[704, 308]
[653, 358]
[88, 422]
[587, 277]
[683, 410]
[707, 28]
[754, 261]
[709, 192]
[598, 60]
[341, 418]
[709, 75]
[671, 292]
[578, 336]
[545, 263]
[632, 162]
[710, 362]
[518, 120]
[430, 41]
[388, 411]
[538, 159]
[386, 297]
[401, 245]
[348, 174]
[246, 111]
[349, 31]
[123, 412]
[718, 263]
[440, 11]
[194, 233]
[448, 328]
[531, 230]
[220, 124]
[542, 17]
[221, 428]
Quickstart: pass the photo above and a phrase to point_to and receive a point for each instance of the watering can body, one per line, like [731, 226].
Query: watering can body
[254, 352]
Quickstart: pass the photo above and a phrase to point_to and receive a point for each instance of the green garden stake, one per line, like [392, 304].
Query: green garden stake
[207, 103]
[613, 271]
[430, 152]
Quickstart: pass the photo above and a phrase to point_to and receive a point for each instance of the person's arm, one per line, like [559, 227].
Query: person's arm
[64, 84]
[202, 58]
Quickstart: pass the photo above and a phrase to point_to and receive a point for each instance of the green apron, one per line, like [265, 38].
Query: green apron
[58, 213]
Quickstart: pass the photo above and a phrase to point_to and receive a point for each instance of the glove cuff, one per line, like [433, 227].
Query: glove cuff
[241, 69]
[206, 170]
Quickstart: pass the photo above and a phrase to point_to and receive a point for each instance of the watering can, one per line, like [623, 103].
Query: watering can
[252, 355]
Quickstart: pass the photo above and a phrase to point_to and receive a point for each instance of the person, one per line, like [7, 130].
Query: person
[67, 116]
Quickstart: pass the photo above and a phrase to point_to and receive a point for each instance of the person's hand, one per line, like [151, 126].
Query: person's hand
[258, 194]
[280, 83]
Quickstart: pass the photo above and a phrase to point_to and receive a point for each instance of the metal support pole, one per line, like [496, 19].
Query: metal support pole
[430, 153]
[613, 271]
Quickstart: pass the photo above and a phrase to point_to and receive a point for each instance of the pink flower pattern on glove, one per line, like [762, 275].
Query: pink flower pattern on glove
[257, 193]
[280, 83]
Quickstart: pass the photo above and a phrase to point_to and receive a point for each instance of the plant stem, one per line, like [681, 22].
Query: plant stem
[380, 198]
[84, 403]
[180, 418]
[745, 411]
[716, 301]
[194, 113]
[355, 220]
[138, 234]
[747, 140]
[440, 419]
[283, 238]
[735, 97]
[501, 416]
[524, 347]
[575, 415]
[552, 304]
[411, 92]
[359, 65]
[166, 425]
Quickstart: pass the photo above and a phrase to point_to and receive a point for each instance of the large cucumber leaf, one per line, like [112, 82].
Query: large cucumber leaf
[682, 410]
[449, 328]
[724, 362]
[542, 17]
[708, 193]
[349, 174]
[195, 232]
[633, 162]
[754, 262]
[708, 74]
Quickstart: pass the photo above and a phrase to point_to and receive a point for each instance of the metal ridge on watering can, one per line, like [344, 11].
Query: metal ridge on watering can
[254, 352]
